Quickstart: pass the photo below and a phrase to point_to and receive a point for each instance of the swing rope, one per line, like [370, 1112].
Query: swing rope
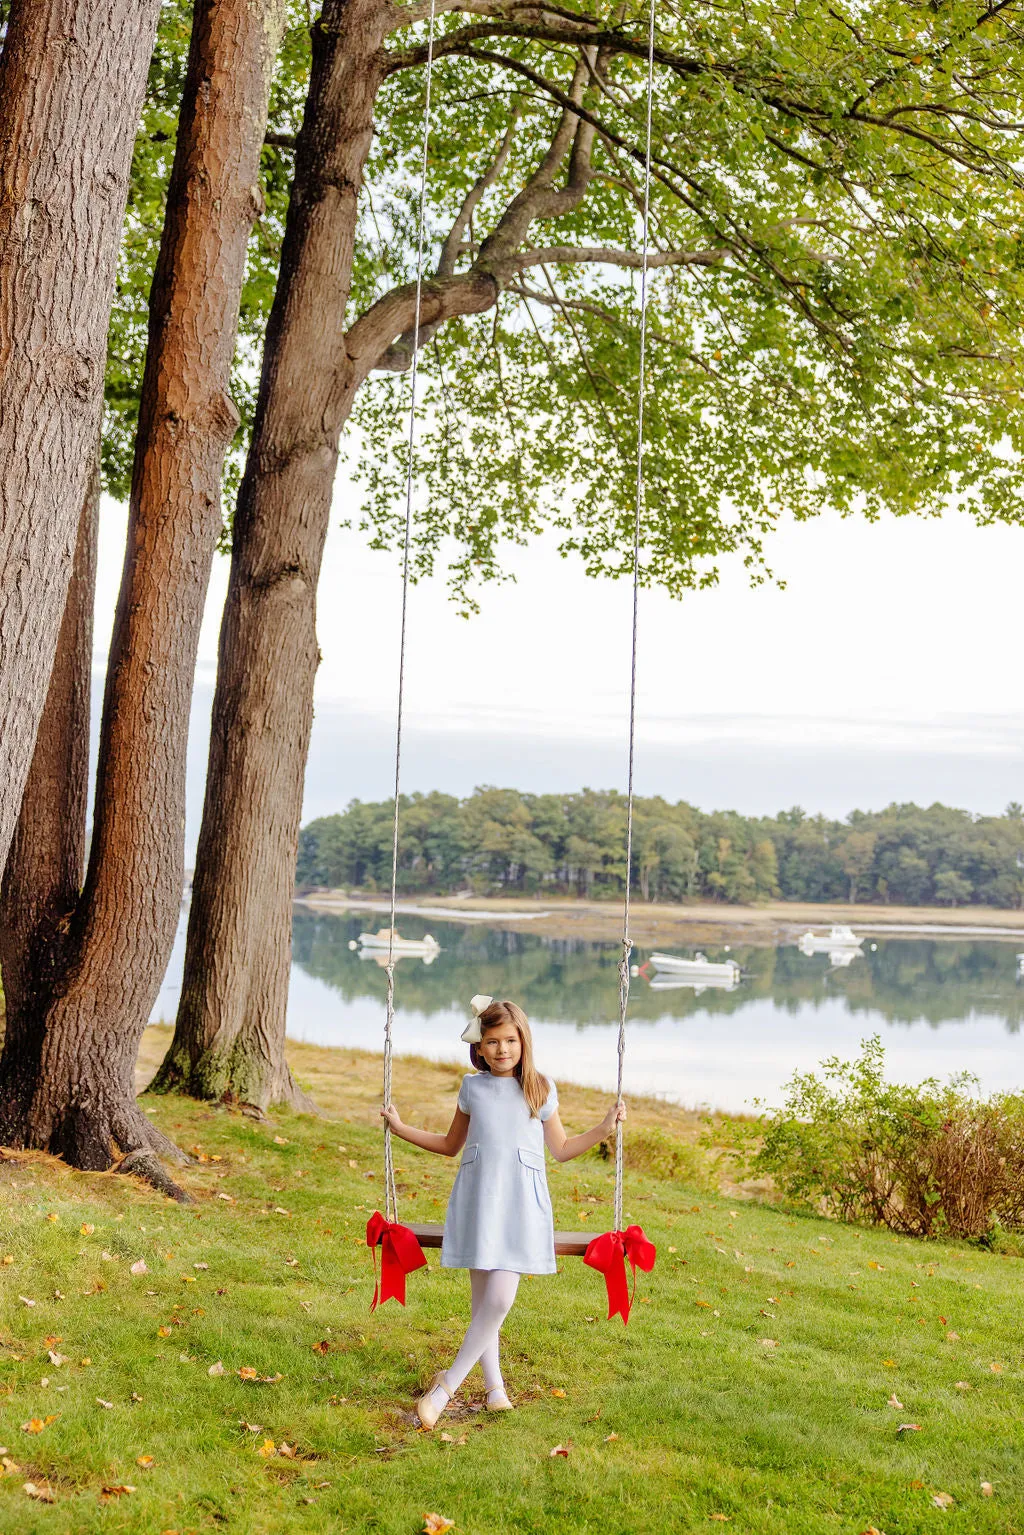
[627, 942]
[390, 1191]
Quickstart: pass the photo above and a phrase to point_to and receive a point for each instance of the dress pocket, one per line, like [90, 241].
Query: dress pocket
[533, 1159]
[469, 1155]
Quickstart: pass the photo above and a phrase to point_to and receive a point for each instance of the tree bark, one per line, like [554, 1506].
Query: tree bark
[72, 75]
[229, 1034]
[43, 876]
[83, 1100]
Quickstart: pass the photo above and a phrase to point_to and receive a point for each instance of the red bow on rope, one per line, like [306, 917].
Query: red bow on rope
[400, 1254]
[608, 1254]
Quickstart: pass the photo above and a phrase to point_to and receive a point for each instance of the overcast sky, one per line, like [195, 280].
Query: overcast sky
[889, 668]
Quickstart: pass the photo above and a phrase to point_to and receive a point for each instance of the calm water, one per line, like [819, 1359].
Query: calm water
[940, 1007]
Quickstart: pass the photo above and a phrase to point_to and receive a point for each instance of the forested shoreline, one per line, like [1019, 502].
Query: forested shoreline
[503, 842]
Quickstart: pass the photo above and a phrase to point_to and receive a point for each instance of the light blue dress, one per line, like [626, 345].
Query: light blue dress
[499, 1213]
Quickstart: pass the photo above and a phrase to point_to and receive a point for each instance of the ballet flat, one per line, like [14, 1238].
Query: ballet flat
[502, 1404]
[427, 1413]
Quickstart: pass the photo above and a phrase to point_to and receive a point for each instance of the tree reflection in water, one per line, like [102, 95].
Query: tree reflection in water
[902, 982]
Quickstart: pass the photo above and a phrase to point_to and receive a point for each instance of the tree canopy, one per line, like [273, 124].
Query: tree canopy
[499, 841]
[835, 299]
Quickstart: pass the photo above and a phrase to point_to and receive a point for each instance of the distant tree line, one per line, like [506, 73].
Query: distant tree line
[501, 842]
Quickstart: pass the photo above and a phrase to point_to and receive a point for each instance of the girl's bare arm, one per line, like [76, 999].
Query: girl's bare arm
[564, 1147]
[447, 1145]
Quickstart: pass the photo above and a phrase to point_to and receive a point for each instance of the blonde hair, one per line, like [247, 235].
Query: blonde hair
[535, 1087]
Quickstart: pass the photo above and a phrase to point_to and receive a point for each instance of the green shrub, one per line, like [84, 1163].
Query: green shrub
[920, 1160]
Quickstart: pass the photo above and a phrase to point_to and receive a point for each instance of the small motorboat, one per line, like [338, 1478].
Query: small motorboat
[836, 940]
[382, 942]
[671, 970]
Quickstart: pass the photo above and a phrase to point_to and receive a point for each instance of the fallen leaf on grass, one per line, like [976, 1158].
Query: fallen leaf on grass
[996, 1369]
[436, 1524]
[41, 1491]
[163, 1332]
[894, 1401]
[964, 1385]
[872, 1529]
[952, 1337]
[279, 1140]
[987, 1490]
[557, 1391]
[139, 1267]
[112, 1490]
[561, 1449]
[101, 1403]
[769, 1342]
[288, 1451]
[251, 1428]
[720, 1518]
[147, 1462]
[6, 1259]
[609, 1437]
[943, 1499]
[11, 1467]
[217, 1369]
[248, 1373]
[323, 1347]
[909, 1428]
[267, 1448]
[890, 1364]
[56, 1359]
[200, 1265]
[36, 1425]
[280, 1210]
[25, 1300]
[86, 1229]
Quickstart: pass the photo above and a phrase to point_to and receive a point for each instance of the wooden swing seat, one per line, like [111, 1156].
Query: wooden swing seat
[568, 1244]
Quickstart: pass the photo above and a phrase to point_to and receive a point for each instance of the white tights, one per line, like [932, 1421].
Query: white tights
[493, 1291]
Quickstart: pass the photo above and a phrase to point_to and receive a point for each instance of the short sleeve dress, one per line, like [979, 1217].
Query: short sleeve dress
[499, 1213]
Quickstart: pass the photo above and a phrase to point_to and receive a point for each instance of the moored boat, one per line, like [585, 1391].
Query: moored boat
[382, 941]
[838, 938]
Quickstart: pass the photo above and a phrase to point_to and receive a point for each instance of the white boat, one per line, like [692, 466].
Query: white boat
[382, 940]
[699, 971]
[835, 941]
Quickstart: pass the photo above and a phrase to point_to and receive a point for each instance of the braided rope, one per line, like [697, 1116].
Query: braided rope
[390, 1191]
[627, 942]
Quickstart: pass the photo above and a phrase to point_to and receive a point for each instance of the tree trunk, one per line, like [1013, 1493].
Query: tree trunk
[229, 1035]
[72, 75]
[83, 1099]
[43, 876]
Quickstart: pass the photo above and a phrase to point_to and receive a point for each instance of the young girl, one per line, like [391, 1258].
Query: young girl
[499, 1222]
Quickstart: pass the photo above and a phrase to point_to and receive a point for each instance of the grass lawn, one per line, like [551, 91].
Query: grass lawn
[751, 1389]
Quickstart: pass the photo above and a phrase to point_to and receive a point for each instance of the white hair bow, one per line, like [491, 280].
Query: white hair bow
[471, 1033]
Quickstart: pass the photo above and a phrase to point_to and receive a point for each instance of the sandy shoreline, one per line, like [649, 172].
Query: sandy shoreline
[701, 923]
